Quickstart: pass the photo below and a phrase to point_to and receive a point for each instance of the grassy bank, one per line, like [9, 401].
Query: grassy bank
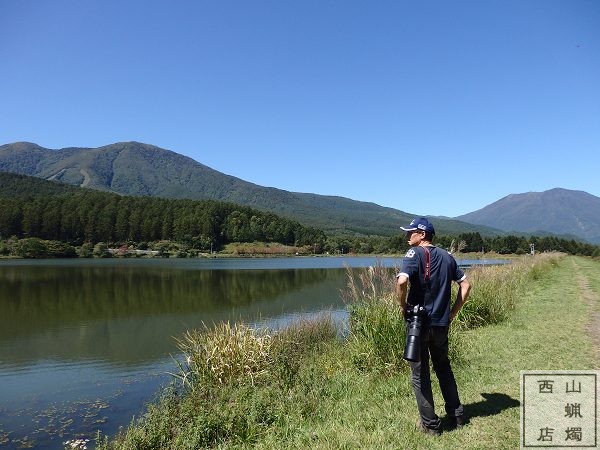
[304, 388]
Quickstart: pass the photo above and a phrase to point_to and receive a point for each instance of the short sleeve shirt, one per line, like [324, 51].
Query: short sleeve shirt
[433, 293]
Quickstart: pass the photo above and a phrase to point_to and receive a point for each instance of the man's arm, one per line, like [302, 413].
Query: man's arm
[464, 287]
[401, 291]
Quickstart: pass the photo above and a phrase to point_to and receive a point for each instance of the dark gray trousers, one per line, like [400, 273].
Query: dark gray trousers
[434, 341]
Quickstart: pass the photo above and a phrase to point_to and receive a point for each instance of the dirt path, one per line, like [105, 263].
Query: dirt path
[591, 298]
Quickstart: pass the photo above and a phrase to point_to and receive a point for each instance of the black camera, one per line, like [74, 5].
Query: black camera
[414, 317]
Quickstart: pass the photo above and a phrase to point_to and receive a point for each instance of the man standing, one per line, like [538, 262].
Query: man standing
[431, 271]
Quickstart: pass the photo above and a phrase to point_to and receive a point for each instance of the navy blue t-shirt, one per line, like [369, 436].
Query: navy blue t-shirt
[443, 271]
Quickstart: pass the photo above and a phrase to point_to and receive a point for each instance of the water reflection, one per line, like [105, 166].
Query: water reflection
[127, 315]
[82, 348]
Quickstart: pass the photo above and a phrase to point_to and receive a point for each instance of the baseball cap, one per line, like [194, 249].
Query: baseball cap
[420, 224]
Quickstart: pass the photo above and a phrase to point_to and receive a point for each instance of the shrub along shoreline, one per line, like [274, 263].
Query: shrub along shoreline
[305, 387]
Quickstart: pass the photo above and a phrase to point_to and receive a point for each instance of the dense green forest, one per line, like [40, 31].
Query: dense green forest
[76, 216]
[97, 217]
[45, 219]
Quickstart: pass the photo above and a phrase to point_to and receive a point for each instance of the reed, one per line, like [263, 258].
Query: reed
[496, 289]
[377, 327]
[293, 343]
[229, 396]
[239, 354]
[224, 354]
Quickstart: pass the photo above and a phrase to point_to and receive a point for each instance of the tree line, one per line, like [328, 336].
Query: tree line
[92, 217]
[471, 242]
[512, 244]
[32, 209]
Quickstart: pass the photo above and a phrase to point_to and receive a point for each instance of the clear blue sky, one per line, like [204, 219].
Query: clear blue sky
[431, 107]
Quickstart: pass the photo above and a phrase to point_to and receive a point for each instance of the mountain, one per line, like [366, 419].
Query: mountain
[556, 211]
[133, 168]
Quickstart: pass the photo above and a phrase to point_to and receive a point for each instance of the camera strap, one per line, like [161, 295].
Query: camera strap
[426, 276]
[427, 264]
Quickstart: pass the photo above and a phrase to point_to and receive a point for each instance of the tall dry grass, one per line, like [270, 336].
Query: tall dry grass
[377, 327]
[240, 354]
[223, 354]
[496, 289]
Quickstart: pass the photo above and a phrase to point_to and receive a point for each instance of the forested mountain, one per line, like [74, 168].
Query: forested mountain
[15, 185]
[557, 211]
[30, 207]
[40, 218]
[132, 168]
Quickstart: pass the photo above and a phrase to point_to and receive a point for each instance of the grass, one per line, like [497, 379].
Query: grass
[377, 327]
[498, 289]
[312, 393]
[225, 354]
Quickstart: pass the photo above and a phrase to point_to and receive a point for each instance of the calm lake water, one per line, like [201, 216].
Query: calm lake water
[84, 344]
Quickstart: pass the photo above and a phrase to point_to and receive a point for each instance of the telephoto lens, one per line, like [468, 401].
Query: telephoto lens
[412, 350]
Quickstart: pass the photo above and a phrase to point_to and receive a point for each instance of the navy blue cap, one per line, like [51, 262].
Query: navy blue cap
[420, 224]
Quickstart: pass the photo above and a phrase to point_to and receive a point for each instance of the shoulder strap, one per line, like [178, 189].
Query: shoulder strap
[427, 263]
[425, 284]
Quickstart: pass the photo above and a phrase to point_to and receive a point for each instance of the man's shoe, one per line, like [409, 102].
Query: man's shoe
[429, 431]
[459, 421]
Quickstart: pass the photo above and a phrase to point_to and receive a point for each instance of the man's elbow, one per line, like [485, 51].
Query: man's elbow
[401, 280]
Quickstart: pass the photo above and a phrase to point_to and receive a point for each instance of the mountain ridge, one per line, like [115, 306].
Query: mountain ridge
[138, 169]
[558, 210]
[134, 168]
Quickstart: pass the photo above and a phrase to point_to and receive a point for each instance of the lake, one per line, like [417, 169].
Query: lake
[85, 343]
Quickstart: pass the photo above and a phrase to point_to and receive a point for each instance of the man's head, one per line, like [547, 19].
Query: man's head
[419, 229]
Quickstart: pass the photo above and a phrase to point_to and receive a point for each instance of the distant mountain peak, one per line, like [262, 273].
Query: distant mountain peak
[23, 145]
[558, 211]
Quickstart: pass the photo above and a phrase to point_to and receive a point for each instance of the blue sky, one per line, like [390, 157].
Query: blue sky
[431, 107]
